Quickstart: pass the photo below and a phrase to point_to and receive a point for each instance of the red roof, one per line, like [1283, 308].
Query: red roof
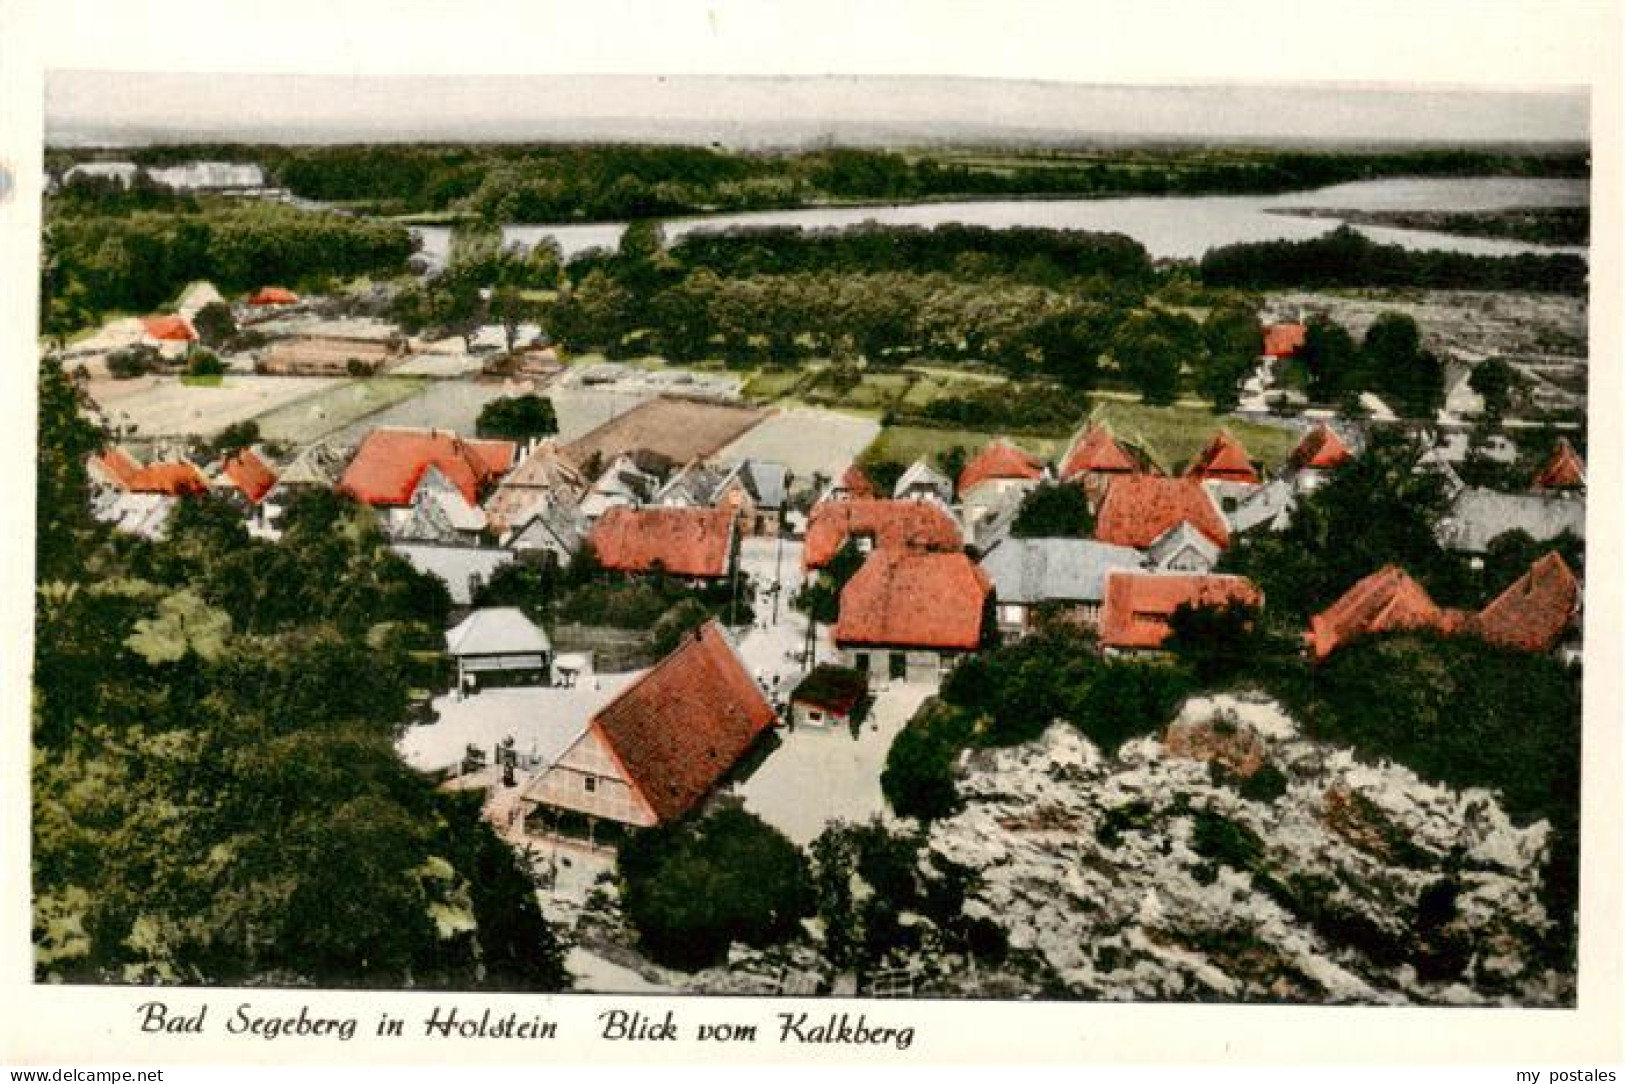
[1138, 605]
[387, 467]
[1138, 508]
[1223, 460]
[119, 466]
[682, 541]
[1563, 470]
[169, 328]
[1283, 340]
[1533, 613]
[252, 476]
[1000, 459]
[273, 295]
[1095, 452]
[1320, 449]
[174, 479]
[1388, 600]
[913, 598]
[856, 483]
[892, 525]
[680, 727]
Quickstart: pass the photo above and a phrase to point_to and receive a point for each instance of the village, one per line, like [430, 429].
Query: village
[823, 609]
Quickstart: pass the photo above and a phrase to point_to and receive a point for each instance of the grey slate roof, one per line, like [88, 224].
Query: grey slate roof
[1033, 570]
[1178, 538]
[1480, 516]
[455, 564]
[1270, 506]
[767, 481]
[496, 630]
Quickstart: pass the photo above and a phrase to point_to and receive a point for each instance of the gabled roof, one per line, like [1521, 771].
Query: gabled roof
[273, 295]
[1535, 611]
[174, 479]
[1138, 508]
[1388, 600]
[1268, 505]
[834, 688]
[389, 463]
[695, 486]
[496, 630]
[999, 460]
[923, 475]
[169, 328]
[853, 483]
[892, 524]
[543, 475]
[1223, 460]
[1139, 604]
[250, 474]
[1320, 449]
[1283, 340]
[1095, 452]
[914, 598]
[766, 482]
[318, 465]
[1564, 469]
[682, 541]
[1181, 536]
[680, 727]
[1028, 571]
[458, 567]
[116, 466]
[561, 522]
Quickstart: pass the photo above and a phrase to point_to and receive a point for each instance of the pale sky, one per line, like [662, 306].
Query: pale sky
[112, 108]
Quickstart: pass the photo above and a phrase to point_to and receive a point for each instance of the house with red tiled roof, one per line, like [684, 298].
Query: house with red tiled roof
[1388, 600]
[695, 543]
[266, 296]
[1139, 606]
[391, 462]
[653, 754]
[1139, 508]
[878, 524]
[171, 336]
[246, 474]
[996, 481]
[853, 484]
[1284, 340]
[1535, 612]
[176, 478]
[1564, 469]
[908, 614]
[1094, 454]
[113, 467]
[1223, 460]
[1321, 450]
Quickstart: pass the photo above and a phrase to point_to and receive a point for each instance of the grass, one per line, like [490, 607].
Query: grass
[203, 380]
[1174, 434]
[906, 443]
[315, 416]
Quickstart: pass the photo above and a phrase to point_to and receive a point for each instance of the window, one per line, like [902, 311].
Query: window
[590, 782]
[898, 666]
[862, 661]
[814, 716]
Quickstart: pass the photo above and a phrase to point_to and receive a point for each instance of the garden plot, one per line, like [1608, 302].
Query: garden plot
[162, 406]
[452, 405]
[323, 415]
[679, 429]
[807, 442]
[581, 410]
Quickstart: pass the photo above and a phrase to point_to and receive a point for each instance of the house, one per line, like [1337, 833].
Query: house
[853, 484]
[758, 491]
[652, 754]
[1139, 508]
[694, 543]
[543, 477]
[176, 478]
[318, 467]
[1182, 548]
[694, 486]
[209, 176]
[171, 336]
[877, 524]
[829, 696]
[921, 481]
[553, 528]
[1388, 600]
[391, 462]
[1000, 475]
[499, 645]
[1563, 470]
[331, 355]
[196, 297]
[1268, 507]
[438, 512]
[1139, 606]
[248, 477]
[1536, 612]
[1067, 575]
[1223, 460]
[1284, 340]
[1460, 400]
[463, 569]
[122, 174]
[144, 515]
[113, 467]
[908, 614]
[1095, 458]
[272, 297]
[1478, 516]
[1320, 452]
[623, 484]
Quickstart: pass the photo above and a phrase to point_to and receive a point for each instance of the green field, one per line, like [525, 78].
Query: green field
[906, 443]
[316, 416]
[1174, 434]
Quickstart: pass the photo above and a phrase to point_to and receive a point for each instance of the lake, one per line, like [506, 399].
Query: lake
[1170, 227]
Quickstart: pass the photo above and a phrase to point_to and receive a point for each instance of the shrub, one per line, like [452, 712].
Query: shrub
[918, 780]
[693, 888]
[132, 361]
[204, 362]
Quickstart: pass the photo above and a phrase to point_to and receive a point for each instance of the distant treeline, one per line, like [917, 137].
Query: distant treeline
[1345, 257]
[549, 183]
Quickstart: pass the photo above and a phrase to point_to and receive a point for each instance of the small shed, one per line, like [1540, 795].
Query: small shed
[829, 696]
[499, 645]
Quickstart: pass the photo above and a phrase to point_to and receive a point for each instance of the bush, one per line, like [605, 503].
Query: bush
[204, 362]
[692, 889]
[133, 361]
[918, 780]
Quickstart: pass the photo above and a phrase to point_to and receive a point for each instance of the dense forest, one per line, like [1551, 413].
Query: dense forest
[555, 183]
[217, 798]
